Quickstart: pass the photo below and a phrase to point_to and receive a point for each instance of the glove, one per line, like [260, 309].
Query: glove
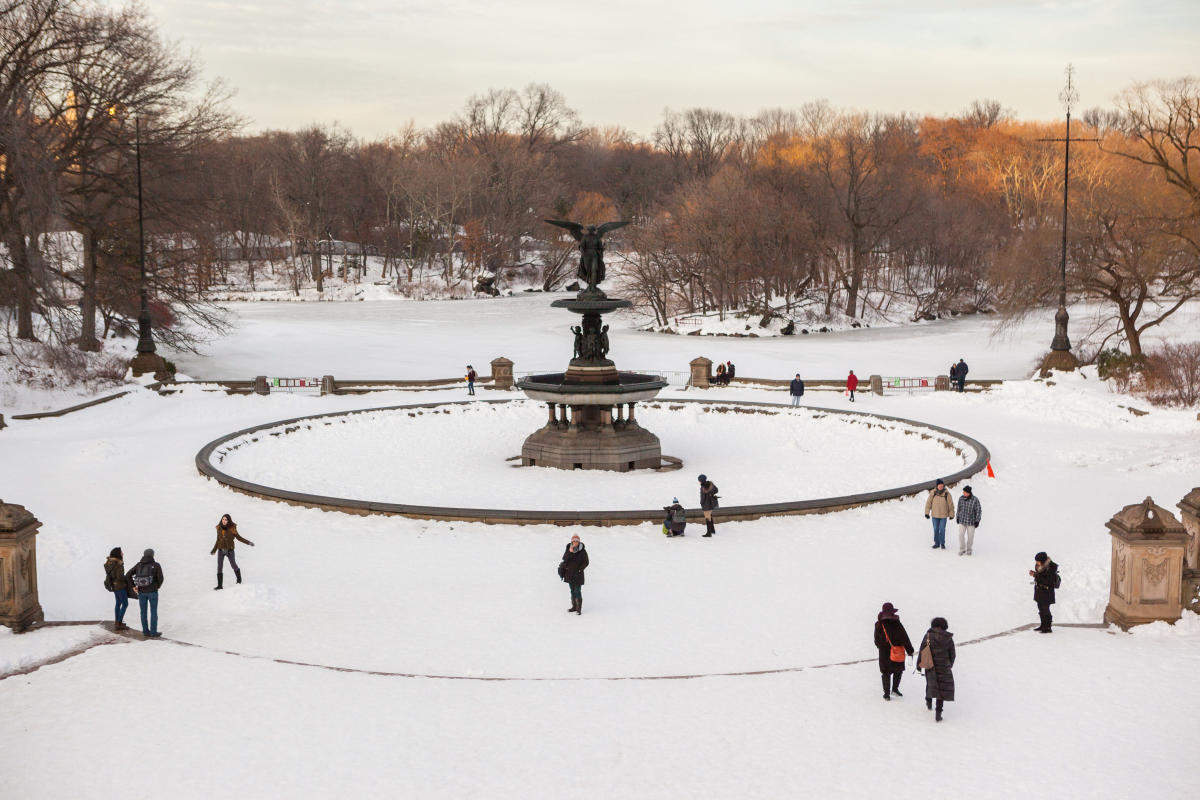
[252, 544]
[926, 516]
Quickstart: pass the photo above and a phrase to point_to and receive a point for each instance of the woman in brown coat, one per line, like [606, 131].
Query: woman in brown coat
[116, 582]
[227, 534]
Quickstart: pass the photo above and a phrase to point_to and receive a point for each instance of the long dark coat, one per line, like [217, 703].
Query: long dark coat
[939, 679]
[708, 496]
[899, 638]
[1043, 583]
[573, 565]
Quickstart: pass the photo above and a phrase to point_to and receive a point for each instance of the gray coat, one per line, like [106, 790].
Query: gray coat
[939, 679]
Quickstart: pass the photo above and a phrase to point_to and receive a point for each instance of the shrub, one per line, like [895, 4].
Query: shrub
[1120, 368]
[1172, 375]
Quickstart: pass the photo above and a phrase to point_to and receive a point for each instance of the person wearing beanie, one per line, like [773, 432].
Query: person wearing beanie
[115, 582]
[968, 514]
[937, 660]
[676, 519]
[891, 640]
[939, 506]
[147, 578]
[471, 376]
[1045, 581]
[574, 561]
[708, 502]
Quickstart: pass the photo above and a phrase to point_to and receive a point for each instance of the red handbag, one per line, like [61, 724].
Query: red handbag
[898, 653]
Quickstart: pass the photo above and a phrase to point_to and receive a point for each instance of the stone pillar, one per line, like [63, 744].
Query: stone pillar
[19, 607]
[1190, 506]
[502, 373]
[2, 425]
[260, 385]
[629, 420]
[701, 372]
[327, 384]
[563, 419]
[552, 420]
[941, 383]
[1190, 592]
[876, 384]
[1147, 565]
[620, 414]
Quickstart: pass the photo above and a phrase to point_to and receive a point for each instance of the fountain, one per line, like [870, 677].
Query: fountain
[582, 431]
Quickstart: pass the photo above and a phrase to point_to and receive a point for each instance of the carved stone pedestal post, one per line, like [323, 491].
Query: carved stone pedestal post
[701, 372]
[1147, 565]
[876, 384]
[1190, 506]
[502, 373]
[19, 607]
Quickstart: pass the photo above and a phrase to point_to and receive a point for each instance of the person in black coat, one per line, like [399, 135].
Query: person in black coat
[939, 675]
[960, 374]
[574, 562]
[889, 633]
[1045, 581]
[796, 389]
[708, 502]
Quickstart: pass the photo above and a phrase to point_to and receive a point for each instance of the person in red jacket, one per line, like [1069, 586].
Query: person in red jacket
[851, 384]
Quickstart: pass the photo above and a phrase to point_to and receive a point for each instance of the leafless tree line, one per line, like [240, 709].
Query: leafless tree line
[814, 210]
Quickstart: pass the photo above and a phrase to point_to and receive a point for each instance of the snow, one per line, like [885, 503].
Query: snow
[18, 652]
[1039, 716]
[363, 462]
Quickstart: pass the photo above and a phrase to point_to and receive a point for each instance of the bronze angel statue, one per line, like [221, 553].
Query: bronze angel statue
[591, 248]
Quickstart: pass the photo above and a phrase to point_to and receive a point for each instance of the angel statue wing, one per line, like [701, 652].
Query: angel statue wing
[608, 226]
[574, 227]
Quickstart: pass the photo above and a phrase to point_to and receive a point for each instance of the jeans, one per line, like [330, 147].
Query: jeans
[939, 531]
[962, 383]
[966, 538]
[471, 388]
[122, 596]
[221, 556]
[149, 599]
[796, 399]
[576, 591]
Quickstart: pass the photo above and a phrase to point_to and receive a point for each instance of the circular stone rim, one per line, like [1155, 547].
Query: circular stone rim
[504, 516]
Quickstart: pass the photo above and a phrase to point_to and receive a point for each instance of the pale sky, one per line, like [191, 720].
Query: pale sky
[373, 65]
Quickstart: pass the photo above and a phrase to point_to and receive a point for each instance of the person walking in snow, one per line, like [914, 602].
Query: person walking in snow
[960, 374]
[968, 514]
[570, 569]
[227, 536]
[676, 519]
[939, 506]
[708, 502]
[894, 647]
[471, 375]
[937, 660]
[851, 385]
[147, 578]
[1045, 581]
[796, 388]
[115, 582]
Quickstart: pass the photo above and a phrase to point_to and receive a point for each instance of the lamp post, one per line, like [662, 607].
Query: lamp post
[146, 360]
[1060, 356]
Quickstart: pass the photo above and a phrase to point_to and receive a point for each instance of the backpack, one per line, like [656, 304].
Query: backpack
[678, 515]
[1057, 579]
[144, 577]
[108, 582]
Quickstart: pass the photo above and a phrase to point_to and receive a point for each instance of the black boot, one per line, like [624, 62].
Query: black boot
[579, 606]
[929, 703]
[238, 573]
[571, 610]
[709, 527]
[887, 682]
[220, 582]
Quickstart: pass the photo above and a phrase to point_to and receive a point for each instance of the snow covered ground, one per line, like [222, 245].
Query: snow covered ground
[1039, 716]
[476, 441]
[410, 339]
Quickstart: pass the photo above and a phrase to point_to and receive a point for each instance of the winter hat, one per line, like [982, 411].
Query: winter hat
[703, 478]
[888, 611]
[1041, 558]
[967, 489]
[150, 553]
[674, 499]
[940, 482]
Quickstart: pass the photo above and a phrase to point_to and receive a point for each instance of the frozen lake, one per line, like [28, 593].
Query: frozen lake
[410, 339]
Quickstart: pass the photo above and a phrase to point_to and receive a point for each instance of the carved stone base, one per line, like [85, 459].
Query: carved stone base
[1126, 621]
[144, 363]
[1060, 360]
[612, 448]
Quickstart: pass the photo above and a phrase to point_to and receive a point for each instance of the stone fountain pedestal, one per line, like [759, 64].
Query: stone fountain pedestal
[591, 419]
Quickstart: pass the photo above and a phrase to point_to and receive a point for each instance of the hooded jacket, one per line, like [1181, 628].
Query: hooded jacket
[156, 574]
[940, 504]
[573, 564]
[114, 573]
[939, 679]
